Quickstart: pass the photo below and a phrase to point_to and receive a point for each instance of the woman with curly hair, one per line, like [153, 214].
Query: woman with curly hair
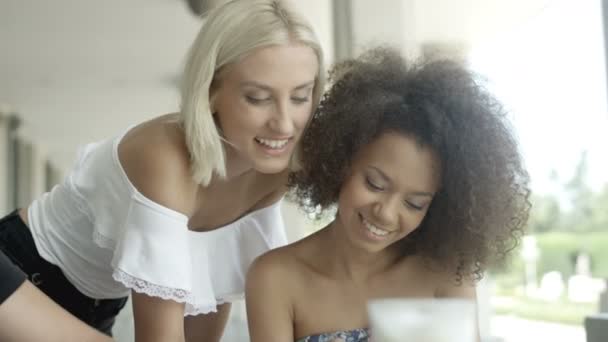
[430, 190]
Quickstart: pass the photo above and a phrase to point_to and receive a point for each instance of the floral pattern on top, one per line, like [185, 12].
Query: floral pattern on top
[357, 335]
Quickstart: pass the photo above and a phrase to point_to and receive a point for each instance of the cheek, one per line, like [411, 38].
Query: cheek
[343, 200]
[347, 200]
[356, 195]
[241, 117]
[411, 223]
[302, 115]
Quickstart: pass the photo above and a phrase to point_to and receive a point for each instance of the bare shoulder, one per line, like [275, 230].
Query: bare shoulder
[269, 287]
[425, 277]
[270, 296]
[461, 289]
[449, 285]
[155, 158]
[279, 263]
[284, 263]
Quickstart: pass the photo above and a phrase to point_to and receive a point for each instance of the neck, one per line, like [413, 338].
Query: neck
[236, 166]
[351, 262]
[238, 175]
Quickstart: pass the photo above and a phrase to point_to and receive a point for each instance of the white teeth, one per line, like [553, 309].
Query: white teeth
[374, 229]
[274, 144]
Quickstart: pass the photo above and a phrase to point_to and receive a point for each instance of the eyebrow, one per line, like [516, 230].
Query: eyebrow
[387, 179]
[268, 88]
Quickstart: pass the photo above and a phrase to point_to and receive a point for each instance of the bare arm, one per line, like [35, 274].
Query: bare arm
[157, 164]
[209, 327]
[269, 309]
[157, 320]
[29, 315]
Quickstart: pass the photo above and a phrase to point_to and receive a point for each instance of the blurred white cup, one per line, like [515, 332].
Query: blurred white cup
[422, 320]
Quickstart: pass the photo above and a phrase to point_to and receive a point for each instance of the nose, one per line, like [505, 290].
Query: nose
[386, 211]
[282, 121]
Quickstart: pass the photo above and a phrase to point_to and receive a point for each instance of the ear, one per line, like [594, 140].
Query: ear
[213, 98]
[212, 101]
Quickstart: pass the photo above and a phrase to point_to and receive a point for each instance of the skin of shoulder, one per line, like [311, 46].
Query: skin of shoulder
[270, 285]
[448, 287]
[156, 160]
[442, 280]
[279, 263]
[275, 279]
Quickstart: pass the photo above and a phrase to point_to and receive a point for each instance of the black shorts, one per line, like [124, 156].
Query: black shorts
[12, 277]
[17, 243]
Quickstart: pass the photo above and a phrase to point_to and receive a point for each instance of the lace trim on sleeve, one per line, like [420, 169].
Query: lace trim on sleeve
[153, 290]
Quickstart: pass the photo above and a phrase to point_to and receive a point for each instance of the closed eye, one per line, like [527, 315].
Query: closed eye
[300, 100]
[373, 185]
[256, 100]
[413, 206]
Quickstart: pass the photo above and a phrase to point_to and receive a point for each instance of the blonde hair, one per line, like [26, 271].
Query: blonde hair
[230, 32]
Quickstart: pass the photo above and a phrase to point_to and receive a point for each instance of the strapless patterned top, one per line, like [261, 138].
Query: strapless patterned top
[357, 335]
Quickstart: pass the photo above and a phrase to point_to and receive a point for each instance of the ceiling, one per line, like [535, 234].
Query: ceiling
[75, 70]
[80, 70]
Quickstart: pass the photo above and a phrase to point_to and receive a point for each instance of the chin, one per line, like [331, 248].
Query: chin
[271, 167]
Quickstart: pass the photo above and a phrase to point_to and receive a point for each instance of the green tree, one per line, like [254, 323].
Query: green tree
[546, 214]
[587, 208]
[598, 220]
[579, 208]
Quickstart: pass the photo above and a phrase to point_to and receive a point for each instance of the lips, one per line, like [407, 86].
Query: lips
[376, 232]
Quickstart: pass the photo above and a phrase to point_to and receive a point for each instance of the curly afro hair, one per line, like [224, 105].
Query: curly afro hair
[481, 208]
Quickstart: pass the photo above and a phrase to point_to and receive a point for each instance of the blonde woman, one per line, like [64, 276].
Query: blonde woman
[174, 210]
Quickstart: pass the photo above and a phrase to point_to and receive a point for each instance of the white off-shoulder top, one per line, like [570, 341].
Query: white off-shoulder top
[108, 238]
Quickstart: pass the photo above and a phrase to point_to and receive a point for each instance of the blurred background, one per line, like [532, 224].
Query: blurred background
[75, 71]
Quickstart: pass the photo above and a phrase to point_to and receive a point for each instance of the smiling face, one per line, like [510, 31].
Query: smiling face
[387, 193]
[263, 103]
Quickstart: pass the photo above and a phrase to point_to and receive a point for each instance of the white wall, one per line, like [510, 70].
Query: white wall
[319, 13]
[409, 24]
[4, 207]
